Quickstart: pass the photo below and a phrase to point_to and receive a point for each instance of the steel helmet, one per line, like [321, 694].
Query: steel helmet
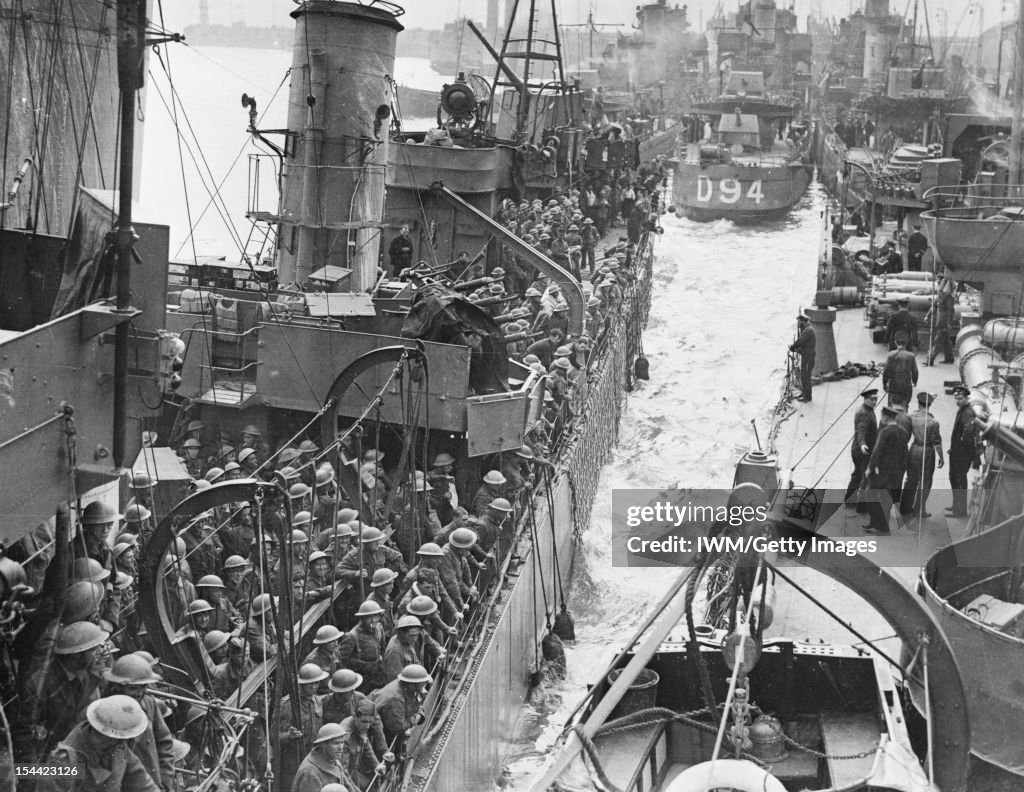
[317, 555]
[191, 443]
[123, 581]
[179, 749]
[214, 474]
[202, 484]
[494, 477]
[369, 608]
[142, 481]
[345, 681]
[343, 530]
[131, 670]
[299, 537]
[244, 454]
[119, 548]
[414, 673]
[288, 473]
[231, 467]
[98, 513]
[214, 640]
[347, 515]
[422, 606]
[210, 581]
[298, 490]
[500, 504]
[308, 447]
[371, 534]
[252, 430]
[408, 621]
[382, 577]
[462, 538]
[324, 475]
[195, 426]
[326, 634]
[429, 549]
[525, 452]
[301, 518]
[261, 604]
[79, 637]
[288, 455]
[234, 562]
[199, 606]
[328, 732]
[130, 539]
[119, 717]
[153, 661]
[90, 569]
[82, 601]
[311, 673]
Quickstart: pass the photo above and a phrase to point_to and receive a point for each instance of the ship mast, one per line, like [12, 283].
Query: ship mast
[1018, 100]
[131, 47]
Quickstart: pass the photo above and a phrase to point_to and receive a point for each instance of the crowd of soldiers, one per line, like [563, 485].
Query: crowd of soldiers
[395, 593]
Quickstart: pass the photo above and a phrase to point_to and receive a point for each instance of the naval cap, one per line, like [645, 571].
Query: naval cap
[869, 393]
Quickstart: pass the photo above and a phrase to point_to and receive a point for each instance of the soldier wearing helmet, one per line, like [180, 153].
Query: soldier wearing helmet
[52, 696]
[364, 558]
[97, 520]
[260, 633]
[325, 764]
[325, 652]
[100, 750]
[225, 616]
[380, 592]
[132, 676]
[493, 486]
[360, 647]
[203, 546]
[296, 735]
[400, 703]
[456, 567]
[411, 643]
[237, 579]
[425, 580]
[341, 703]
[189, 454]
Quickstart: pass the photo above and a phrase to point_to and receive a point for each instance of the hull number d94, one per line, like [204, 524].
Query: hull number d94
[729, 190]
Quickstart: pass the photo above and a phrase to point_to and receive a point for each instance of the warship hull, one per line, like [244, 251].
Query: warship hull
[467, 753]
[738, 192]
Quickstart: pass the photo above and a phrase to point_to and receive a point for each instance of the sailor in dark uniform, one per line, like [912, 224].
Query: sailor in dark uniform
[964, 451]
[865, 432]
[917, 244]
[805, 344]
[885, 471]
[902, 322]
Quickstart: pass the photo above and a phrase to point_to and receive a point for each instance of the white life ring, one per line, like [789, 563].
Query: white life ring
[736, 773]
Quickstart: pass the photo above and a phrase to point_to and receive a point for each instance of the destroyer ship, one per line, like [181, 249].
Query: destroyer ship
[204, 416]
[747, 155]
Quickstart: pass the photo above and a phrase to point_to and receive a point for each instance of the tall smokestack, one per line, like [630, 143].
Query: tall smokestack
[492, 18]
[339, 103]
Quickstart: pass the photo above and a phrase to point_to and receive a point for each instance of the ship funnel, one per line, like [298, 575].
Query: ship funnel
[333, 178]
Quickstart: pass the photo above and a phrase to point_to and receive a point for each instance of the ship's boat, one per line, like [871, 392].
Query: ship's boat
[692, 707]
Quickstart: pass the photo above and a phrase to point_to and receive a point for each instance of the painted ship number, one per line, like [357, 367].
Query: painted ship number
[729, 190]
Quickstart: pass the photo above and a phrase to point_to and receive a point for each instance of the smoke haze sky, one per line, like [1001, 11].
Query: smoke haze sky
[950, 14]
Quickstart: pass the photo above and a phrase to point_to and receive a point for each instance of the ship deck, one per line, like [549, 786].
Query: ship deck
[813, 441]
